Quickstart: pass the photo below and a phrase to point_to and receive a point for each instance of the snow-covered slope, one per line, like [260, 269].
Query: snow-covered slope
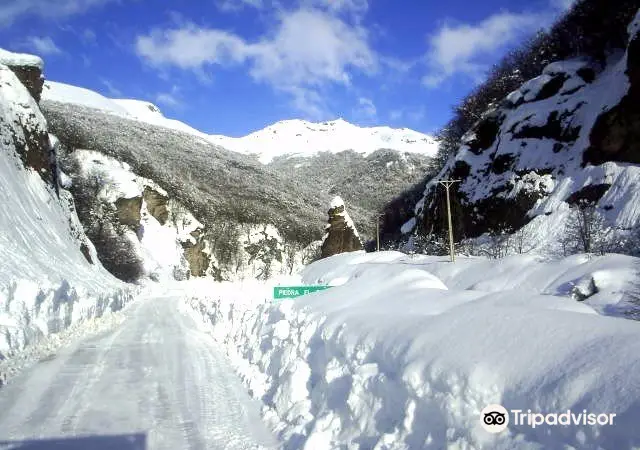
[286, 138]
[46, 282]
[130, 109]
[567, 136]
[302, 138]
[150, 113]
[66, 93]
[404, 353]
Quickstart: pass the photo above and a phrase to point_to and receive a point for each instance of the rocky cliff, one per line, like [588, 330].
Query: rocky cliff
[30, 136]
[50, 276]
[567, 135]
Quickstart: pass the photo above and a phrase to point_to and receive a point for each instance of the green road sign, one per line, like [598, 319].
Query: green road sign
[296, 291]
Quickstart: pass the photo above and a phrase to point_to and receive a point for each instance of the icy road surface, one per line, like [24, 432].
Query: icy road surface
[155, 382]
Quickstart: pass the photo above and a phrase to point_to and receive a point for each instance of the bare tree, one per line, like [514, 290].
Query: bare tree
[585, 230]
[523, 241]
[497, 245]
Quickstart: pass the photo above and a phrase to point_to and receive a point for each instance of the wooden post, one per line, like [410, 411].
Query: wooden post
[447, 184]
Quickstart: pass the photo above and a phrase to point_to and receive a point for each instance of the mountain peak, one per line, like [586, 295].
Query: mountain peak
[297, 137]
[291, 137]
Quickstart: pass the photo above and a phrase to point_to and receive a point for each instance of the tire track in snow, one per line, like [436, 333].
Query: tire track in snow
[156, 374]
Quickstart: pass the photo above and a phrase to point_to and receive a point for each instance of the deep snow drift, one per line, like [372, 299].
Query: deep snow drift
[405, 352]
[46, 283]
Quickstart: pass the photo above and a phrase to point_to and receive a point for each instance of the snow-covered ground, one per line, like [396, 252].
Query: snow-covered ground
[154, 382]
[288, 137]
[405, 352]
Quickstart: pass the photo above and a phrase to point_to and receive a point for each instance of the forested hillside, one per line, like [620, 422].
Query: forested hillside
[549, 137]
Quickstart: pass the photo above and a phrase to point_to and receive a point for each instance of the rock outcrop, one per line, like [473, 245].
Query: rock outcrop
[28, 69]
[616, 134]
[157, 204]
[128, 210]
[29, 136]
[341, 235]
[570, 133]
[196, 255]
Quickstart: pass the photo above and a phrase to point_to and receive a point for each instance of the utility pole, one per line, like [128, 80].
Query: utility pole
[378, 231]
[447, 184]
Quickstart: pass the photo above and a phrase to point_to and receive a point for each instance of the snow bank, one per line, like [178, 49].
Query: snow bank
[389, 358]
[46, 283]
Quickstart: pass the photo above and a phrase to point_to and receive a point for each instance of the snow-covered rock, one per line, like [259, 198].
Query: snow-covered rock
[567, 135]
[341, 234]
[50, 277]
[28, 69]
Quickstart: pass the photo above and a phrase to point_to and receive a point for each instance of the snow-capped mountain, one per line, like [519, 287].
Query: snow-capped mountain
[285, 138]
[302, 138]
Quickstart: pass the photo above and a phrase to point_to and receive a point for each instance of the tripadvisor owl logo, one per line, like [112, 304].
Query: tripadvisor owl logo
[494, 418]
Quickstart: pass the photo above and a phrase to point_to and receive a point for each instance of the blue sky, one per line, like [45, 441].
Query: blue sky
[234, 66]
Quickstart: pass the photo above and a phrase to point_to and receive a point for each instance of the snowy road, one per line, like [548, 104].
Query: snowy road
[156, 382]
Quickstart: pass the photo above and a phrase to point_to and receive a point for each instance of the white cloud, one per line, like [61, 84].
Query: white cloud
[366, 108]
[458, 49]
[311, 48]
[89, 36]
[417, 115]
[42, 45]
[308, 101]
[171, 98]
[357, 7]
[191, 47]
[237, 5]
[112, 91]
[168, 99]
[10, 10]
[305, 51]
[414, 115]
[396, 114]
